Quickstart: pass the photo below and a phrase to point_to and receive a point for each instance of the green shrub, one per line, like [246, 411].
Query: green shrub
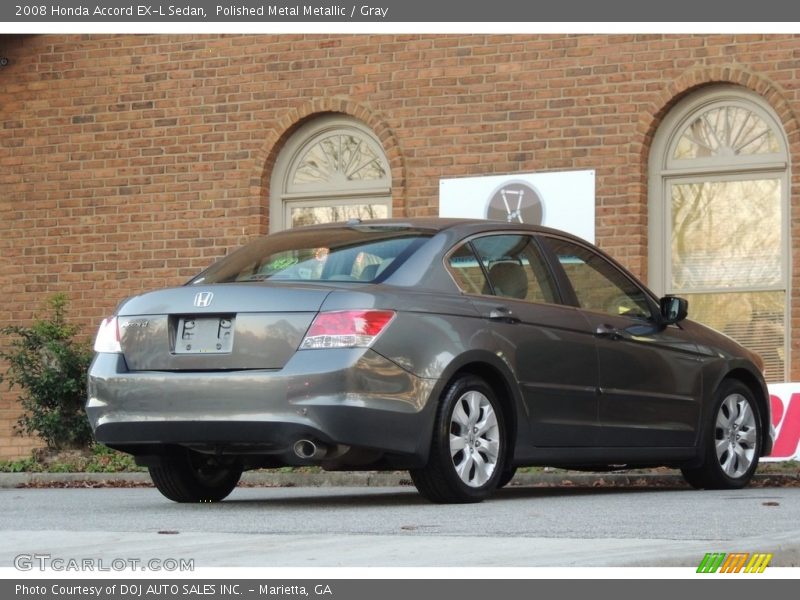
[95, 459]
[106, 460]
[23, 465]
[48, 365]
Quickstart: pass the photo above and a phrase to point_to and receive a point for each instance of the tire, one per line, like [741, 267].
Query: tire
[190, 476]
[468, 445]
[506, 477]
[731, 440]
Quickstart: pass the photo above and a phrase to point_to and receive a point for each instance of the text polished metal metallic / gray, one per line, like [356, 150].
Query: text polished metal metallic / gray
[456, 349]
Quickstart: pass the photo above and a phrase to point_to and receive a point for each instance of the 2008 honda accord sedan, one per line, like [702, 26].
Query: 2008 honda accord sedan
[457, 349]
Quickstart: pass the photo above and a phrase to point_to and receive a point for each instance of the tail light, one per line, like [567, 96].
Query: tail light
[346, 329]
[107, 339]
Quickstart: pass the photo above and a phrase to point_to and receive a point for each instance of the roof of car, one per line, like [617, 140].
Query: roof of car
[431, 224]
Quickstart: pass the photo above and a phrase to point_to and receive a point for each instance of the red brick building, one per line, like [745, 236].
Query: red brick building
[131, 162]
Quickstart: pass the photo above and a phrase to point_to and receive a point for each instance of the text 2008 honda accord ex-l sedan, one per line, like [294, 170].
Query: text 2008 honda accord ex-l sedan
[459, 350]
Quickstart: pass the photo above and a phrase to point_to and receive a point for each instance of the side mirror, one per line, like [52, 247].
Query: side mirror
[673, 309]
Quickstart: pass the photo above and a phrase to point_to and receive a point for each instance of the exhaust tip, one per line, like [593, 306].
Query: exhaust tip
[307, 449]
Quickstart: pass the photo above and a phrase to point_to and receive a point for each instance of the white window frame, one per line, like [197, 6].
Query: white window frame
[664, 171]
[284, 196]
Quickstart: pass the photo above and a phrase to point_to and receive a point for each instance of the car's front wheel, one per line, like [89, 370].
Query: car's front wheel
[506, 477]
[468, 447]
[732, 440]
[189, 476]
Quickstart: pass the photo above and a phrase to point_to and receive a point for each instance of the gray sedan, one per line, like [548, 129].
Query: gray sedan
[457, 349]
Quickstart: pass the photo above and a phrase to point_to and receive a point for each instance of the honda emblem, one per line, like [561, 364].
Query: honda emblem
[203, 299]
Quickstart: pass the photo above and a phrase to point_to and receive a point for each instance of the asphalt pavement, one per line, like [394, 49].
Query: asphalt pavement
[558, 525]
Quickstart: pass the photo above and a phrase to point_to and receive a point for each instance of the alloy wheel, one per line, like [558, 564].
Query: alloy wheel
[474, 439]
[735, 435]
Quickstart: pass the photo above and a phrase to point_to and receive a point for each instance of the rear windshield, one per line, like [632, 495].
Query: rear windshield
[347, 254]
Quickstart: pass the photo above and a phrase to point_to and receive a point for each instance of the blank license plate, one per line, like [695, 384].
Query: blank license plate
[206, 335]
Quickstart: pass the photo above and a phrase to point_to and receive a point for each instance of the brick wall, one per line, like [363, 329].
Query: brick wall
[129, 162]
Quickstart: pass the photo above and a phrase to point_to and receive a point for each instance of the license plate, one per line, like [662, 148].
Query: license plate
[204, 335]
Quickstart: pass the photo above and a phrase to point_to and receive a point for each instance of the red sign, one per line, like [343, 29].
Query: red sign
[785, 402]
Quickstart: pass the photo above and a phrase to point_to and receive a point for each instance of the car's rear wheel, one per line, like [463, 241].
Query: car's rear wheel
[732, 440]
[188, 476]
[468, 447]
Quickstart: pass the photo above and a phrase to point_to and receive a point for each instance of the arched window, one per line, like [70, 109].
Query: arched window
[719, 184]
[332, 169]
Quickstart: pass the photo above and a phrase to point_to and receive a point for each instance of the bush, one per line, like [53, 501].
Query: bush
[95, 459]
[48, 365]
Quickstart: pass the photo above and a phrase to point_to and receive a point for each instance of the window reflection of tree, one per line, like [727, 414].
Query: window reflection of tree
[316, 215]
[726, 234]
[725, 178]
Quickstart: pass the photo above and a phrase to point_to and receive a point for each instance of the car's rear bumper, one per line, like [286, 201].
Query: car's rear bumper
[355, 398]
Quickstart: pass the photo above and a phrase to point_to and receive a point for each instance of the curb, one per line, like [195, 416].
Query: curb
[376, 479]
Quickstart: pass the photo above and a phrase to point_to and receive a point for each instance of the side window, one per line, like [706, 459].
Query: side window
[516, 268]
[467, 271]
[598, 284]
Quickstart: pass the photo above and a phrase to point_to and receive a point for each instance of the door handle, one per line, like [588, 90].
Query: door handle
[503, 314]
[608, 331]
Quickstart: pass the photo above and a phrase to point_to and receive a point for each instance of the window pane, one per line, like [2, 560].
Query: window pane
[599, 285]
[726, 131]
[754, 319]
[467, 271]
[516, 268]
[726, 234]
[316, 215]
[725, 243]
[342, 254]
[316, 166]
[339, 158]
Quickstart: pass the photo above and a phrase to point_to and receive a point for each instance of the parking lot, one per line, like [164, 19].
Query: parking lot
[394, 526]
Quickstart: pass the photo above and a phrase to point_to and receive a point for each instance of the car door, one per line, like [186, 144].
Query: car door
[549, 346]
[650, 378]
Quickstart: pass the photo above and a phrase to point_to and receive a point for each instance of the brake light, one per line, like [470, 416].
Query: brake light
[346, 329]
[107, 339]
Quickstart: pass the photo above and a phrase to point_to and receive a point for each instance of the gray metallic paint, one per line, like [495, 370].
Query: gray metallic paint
[353, 397]
[574, 398]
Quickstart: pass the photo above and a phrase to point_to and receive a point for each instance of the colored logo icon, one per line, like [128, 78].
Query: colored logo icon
[737, 562]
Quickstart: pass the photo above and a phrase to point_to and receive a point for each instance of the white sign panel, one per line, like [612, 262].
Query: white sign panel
[785, 404]
[561, 199]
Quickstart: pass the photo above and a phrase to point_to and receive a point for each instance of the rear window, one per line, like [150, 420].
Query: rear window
[362, 254]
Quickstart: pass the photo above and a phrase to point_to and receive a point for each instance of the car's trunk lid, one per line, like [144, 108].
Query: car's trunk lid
[217, 327]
